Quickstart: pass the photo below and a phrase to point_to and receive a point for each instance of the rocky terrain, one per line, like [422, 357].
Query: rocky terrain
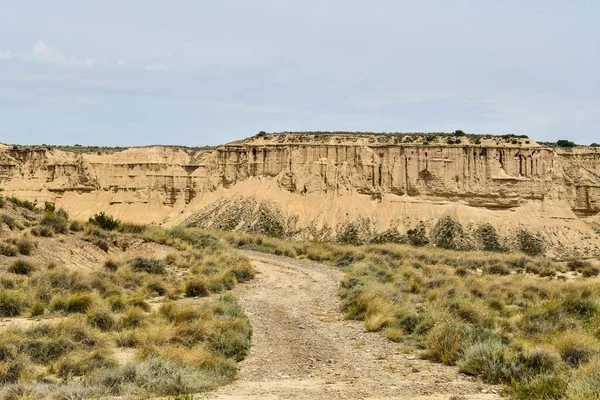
[314, 185]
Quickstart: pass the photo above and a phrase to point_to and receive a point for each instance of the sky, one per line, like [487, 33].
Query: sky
[191, 72]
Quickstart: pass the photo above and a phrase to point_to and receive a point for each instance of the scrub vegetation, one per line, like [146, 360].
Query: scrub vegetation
[131, 325]
[523, 321]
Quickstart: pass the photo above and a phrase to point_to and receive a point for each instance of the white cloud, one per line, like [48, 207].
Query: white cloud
[5, 55]
[156, 67]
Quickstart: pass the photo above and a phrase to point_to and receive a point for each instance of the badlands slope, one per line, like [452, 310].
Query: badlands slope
[315, 185]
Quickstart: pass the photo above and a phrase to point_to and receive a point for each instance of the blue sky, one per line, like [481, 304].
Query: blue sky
[138, 72]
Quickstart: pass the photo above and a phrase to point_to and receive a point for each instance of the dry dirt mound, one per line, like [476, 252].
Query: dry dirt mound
[303, 349]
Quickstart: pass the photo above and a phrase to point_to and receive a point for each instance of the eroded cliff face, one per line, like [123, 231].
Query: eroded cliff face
[314, 185]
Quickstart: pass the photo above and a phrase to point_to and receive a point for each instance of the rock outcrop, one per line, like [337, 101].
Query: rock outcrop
[314, 185]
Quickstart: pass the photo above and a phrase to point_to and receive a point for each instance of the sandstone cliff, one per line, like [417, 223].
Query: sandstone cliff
[314, 185]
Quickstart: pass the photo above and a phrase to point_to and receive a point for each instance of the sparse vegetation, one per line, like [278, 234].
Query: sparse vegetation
[85, 317]
[565, 143]
[523, 327]
[105, 221]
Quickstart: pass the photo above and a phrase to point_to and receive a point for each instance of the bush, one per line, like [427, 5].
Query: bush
[23, 203]
[101, 318]
[449, 234]
[55, 221]
[42, 231]
[496, 269]
[76, 303]
[349, 235]
[575, 348]
[488, 360]
[9, 250]
[126, 227]
[76, 226]
[11, 304]
[111, 265]
[11, 370]
[541, 387]
[134, 318]
[196, 287]
[105, 221]
[444, 342]
[80, 363]
[418, 235]
[529, 243]
[149, 265]
[102, 244]
[565, 143]
[25, 246]
[21, 267]
[488, 237]
[9, 221]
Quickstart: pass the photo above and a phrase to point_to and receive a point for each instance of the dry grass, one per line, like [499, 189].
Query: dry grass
[86, 315]
[504, 317]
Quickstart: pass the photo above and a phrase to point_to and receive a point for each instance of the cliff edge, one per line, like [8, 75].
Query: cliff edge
[320, 185]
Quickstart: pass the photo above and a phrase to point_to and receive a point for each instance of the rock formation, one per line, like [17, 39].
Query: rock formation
[310, 185]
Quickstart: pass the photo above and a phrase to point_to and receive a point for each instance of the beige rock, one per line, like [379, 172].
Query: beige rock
[314, 184]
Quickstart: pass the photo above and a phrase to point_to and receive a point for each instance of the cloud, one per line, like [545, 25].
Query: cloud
[156, 67]
[5, 55]
[42, 53]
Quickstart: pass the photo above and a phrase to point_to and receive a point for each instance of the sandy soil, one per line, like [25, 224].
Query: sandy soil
[303, 349]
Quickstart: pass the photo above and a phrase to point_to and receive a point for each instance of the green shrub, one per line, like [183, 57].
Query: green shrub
[488, 237]
[21, 267]
[349, 234]
[418, 235]
[105, 221]
[23, 203]
[449, 234]
[529, 243]
[541, 387]
[565, 143]
[488, 360]
[149, 265]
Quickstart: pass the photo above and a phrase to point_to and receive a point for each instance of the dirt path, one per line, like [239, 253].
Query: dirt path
[303, 349]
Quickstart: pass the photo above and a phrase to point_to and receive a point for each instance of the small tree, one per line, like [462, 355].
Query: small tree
[565, 143]
[105, 221]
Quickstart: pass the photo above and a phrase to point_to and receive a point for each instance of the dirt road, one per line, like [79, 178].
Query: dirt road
[303, 349]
